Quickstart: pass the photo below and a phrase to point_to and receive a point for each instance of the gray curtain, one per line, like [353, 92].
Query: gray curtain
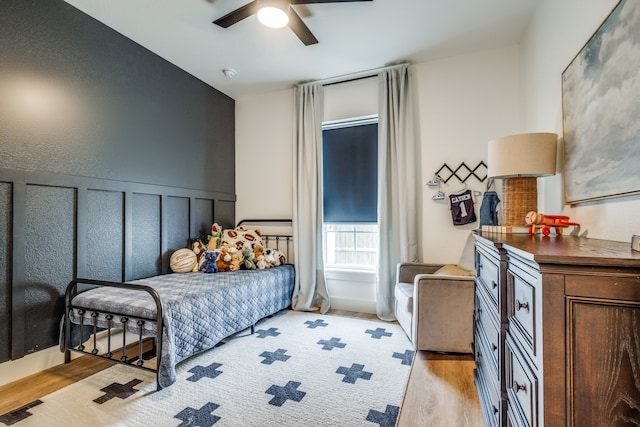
[399, 184]
[310, 292]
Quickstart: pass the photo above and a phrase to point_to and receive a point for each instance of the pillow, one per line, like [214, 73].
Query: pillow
[452, 270]
[239, 236]
[466, 261]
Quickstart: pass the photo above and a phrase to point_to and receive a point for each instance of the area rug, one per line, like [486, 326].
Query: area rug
[297, 369]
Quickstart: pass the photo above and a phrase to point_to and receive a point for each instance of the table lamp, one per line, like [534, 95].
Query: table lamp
[519, 160]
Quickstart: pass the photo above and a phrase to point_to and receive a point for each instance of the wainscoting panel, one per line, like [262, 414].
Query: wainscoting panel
[5, 274]
[176, 226]
[203, 209]
[55, 227]
[49, 254]
[146, 255]
[225, 212]
[104, 243]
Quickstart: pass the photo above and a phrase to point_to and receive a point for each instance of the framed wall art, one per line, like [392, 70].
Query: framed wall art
[601, 111]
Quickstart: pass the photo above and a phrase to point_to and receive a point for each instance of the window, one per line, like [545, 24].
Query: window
[350, 193]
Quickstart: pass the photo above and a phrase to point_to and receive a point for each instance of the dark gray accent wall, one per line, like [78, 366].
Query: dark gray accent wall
[49, 249]
[110, 159]
[79, 98]
[104, 245]
[5, 271]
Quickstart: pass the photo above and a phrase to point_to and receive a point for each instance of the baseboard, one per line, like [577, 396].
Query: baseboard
[31, 364]
[357, 306]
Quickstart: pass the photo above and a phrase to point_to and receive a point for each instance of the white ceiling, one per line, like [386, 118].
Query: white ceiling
[353, 37]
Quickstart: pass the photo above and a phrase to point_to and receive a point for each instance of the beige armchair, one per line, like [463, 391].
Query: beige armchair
[435, 303]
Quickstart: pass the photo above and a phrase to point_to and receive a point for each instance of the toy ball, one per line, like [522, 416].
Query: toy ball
[183, 260]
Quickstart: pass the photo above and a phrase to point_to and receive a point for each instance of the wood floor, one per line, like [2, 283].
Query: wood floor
[440, 391]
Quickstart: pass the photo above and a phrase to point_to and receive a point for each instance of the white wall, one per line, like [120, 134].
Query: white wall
[264, 156]
[463, 102]
[556, 34]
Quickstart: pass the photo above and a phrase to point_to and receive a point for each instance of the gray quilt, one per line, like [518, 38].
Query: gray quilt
[199, 309]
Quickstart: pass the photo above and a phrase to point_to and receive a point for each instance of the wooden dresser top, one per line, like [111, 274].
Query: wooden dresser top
[566, 249]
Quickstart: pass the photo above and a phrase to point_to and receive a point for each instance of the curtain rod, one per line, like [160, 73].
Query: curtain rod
[353, 76]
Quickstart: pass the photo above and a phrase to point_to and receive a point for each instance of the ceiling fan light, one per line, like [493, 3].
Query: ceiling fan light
[273, 17]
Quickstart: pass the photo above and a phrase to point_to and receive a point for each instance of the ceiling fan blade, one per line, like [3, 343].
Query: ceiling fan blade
[323, 1]
[300, 29]
[237, 15]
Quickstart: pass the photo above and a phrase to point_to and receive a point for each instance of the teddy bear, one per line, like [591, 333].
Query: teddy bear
[198, 248]
[209, 264]
[229, 258]
[258, 256]
[213, 242]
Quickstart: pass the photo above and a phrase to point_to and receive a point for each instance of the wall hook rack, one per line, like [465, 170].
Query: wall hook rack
[463, 172]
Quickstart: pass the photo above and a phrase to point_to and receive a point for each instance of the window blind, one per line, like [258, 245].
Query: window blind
[350, 173]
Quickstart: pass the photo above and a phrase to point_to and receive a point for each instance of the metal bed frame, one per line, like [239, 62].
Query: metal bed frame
[122, 319]
[275, 241]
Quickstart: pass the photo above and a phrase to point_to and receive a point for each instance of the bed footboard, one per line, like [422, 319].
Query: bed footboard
[112, 327]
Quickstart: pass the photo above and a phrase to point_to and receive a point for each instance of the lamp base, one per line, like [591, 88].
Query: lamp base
[520, 196]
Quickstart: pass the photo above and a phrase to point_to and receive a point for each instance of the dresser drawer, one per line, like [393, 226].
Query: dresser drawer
[488, 275]
[485, 364]
[514, 419]
[486, 325]
[521, 384]
[521, 308]
[489, 402]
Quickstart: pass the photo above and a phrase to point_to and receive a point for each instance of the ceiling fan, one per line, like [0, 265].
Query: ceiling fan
[281, 11]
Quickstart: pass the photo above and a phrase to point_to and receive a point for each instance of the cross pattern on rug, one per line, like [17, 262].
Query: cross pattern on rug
[271, 332]
[202, 417]
[384, 419]
[273, 356]
[378, 333]
[200, 372]
[406, 357]
[250, 369]
[19, 414]
[288, 392]
[118, 390]
[316, 323]
[355, 372]
[331, 344]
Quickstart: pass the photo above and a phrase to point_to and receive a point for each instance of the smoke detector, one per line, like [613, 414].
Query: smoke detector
[229, 72]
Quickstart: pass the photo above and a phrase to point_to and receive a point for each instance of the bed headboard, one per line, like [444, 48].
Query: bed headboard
[276, 234]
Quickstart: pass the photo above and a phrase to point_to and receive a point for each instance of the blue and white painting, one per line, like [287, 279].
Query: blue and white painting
[601, 110]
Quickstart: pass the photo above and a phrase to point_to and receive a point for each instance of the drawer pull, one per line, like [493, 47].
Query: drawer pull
[494, 347]
[519, 387]
[495, 410]
[494, 284]
[522, 305]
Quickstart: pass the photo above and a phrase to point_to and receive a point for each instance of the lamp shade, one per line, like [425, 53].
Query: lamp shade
[523, 155]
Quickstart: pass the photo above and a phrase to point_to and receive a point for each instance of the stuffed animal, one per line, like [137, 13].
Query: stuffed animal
[258, 256]
[229, 258]
[198, 248]
[274, 257]
[214, 238]
[209, 264]
[248, 262]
